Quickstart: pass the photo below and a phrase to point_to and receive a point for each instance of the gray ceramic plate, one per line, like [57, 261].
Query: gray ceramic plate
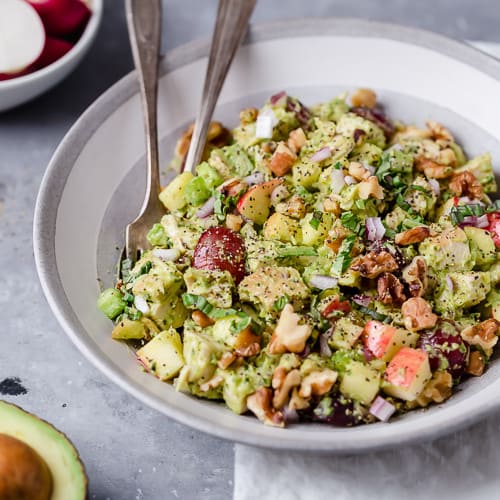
[94, 184]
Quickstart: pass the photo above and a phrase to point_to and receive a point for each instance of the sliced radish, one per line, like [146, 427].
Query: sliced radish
[22, 37]
[61, 17]
[54, 49]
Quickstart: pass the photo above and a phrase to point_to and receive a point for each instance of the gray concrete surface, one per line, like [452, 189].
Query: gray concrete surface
[131, 452]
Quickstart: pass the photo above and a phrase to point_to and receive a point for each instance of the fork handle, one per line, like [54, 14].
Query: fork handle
[230, 28]
[144, 27]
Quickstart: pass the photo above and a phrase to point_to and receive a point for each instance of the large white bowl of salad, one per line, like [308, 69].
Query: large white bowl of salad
[333, 262]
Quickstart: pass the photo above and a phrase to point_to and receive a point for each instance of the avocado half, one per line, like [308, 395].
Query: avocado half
[69, 480]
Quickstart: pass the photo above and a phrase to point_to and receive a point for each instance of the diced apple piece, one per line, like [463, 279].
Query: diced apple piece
[280, 227]
[163, 354]
[360, 382]
[384, 341]
[407, 374]
[61, 17]
[345, 333]
[314, 235]
[173, 195]
[254, 205]
[22, 37]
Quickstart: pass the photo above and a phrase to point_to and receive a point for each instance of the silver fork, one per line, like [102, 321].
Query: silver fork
[144, 25]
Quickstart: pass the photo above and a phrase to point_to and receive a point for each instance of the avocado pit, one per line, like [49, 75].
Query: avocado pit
[24, 475]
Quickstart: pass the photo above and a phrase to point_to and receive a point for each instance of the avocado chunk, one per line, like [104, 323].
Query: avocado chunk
[216, 286]
[448, 250]
[466, 290]
[481, 245]
[266, 286]
[51, 446]
[111, 302]
[163, 354]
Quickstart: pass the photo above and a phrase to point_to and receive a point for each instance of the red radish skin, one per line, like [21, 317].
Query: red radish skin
[220, 249]
[61, 17]
[22, 38]
[54, 49]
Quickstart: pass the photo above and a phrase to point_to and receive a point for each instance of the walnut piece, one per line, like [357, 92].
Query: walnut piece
[247, 351]
[332, 206]
[365, 98]
[411, 132]
[201, 319]
[370, 188]
[212, 383]
[358, 171]
[415, 275]
[390, 290]
[483, 334]
[234, 222]
[431, 169]
[417, 314]
[374, 263]
[295, 207]
[297, 402]
[282, 160]
[296, 139]
[248, 115]
[289, 335]
[466, 184]
[283, 383]
[438, 131]
[216, 132]
[260, 404]
[413, 235]
[317, 383]
[226, 360]
[437, 390]
[475, 364]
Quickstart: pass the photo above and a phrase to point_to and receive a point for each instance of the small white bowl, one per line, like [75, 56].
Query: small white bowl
[20, 90]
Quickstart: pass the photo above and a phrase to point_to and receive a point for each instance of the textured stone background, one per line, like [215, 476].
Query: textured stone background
[130, 451]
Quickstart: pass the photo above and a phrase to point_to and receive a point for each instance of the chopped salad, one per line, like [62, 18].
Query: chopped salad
[324, 264]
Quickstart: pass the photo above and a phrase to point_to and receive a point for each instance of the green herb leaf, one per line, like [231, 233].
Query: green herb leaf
[299, 251]
[280, 303]
[343, 259]
[372, 313]
[351, 221]
[241, 323]
[316, 219]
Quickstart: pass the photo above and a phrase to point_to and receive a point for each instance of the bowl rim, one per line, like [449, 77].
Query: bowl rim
[60, 166]
[80, 46]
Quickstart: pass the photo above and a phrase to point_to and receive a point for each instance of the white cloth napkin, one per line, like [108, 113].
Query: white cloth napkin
[462, 466]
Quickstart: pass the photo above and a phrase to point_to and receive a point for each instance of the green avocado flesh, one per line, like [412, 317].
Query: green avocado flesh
[68, 474]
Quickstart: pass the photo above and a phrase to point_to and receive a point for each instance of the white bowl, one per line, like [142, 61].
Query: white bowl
[20, 90]
[95, 183]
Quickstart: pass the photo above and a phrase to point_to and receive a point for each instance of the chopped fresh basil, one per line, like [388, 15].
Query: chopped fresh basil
[343, 259]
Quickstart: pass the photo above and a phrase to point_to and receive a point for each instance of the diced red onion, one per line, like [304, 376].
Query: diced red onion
[362, 300]
[473, 220]
[141, 304]
[370, 168]
[206, 209]
[321, 154]
[324, 348]
[449, 283]
[397, 147]
[279, 193]
[167, 254]
[276, 98]
[375, 230]
[255, 178]
[382, 409]
[349, 180]
[290, 415]
[323, 282]
[434, 184]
